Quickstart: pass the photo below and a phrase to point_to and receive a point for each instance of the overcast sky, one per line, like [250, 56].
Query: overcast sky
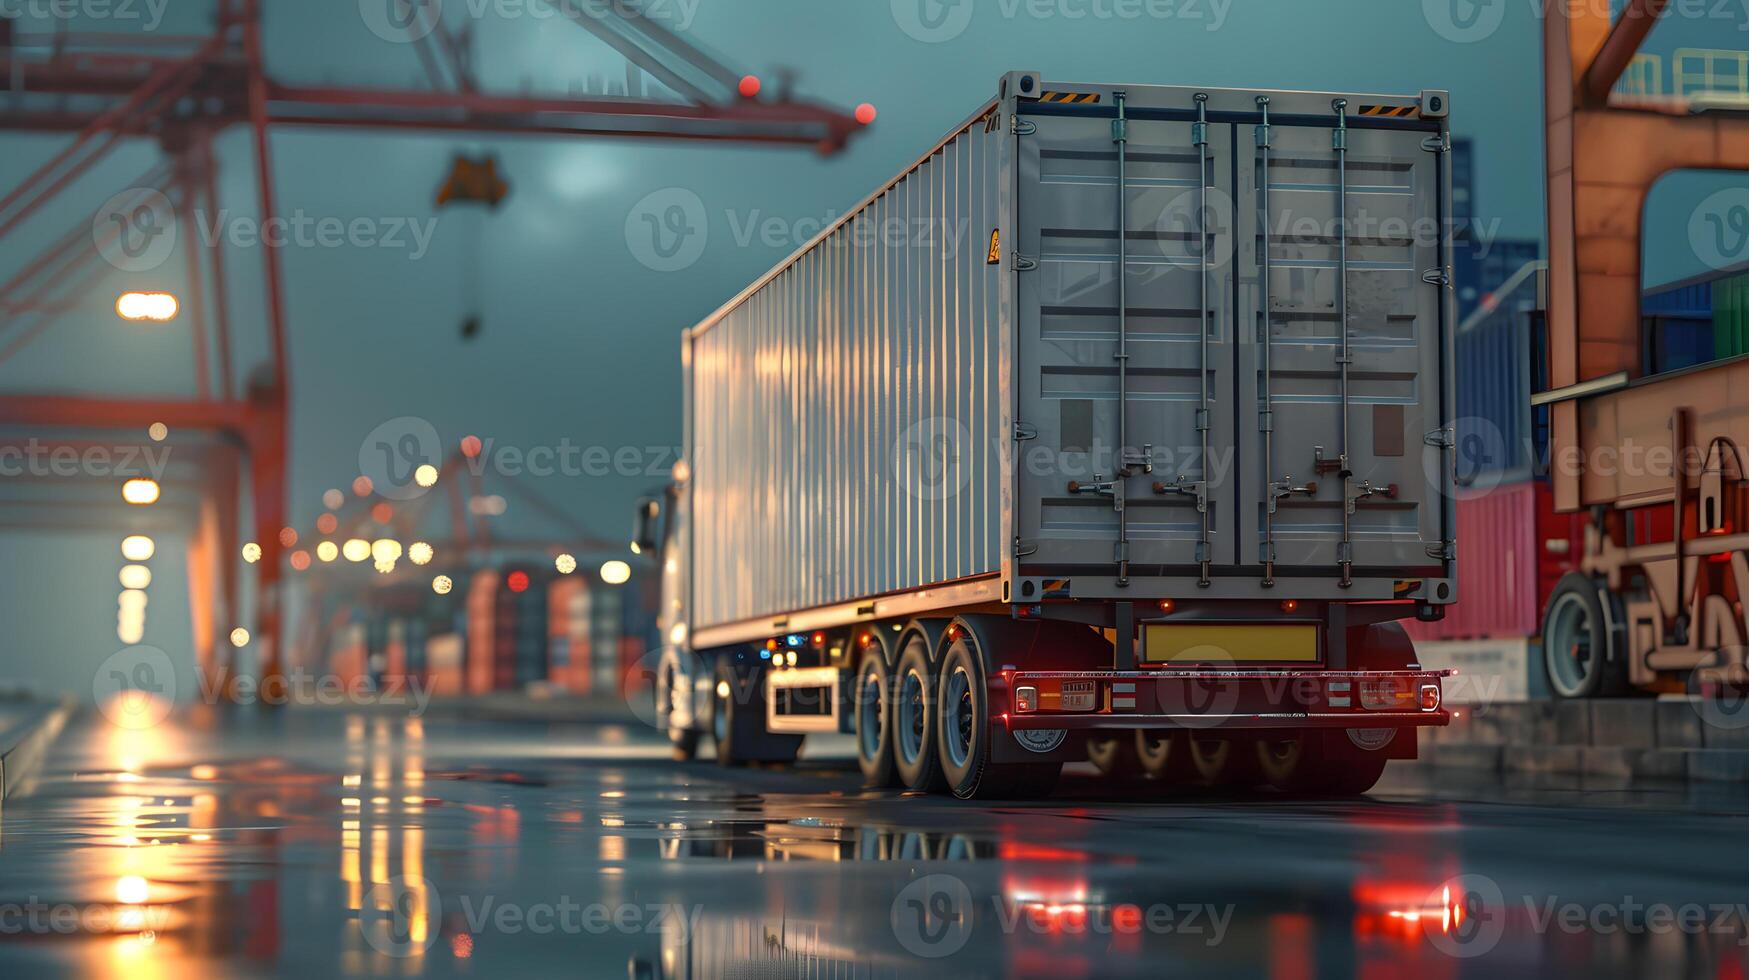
[579, 345]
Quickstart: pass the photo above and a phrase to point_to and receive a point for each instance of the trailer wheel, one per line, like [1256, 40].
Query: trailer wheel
[914, 734]
[738, 718]
[1581, 652]
[1223, 760]
[1164, 756]
[872, 704]
[1114, 754]
[962, 710]
[1318, 763]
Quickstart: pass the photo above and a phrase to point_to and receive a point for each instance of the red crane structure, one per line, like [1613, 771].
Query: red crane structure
[1665, 568]
[182, 90]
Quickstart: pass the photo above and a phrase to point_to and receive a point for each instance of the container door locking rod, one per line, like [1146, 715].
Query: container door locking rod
[1339, 142]
[1200, 487]
[1128, 461]
[1274, 490]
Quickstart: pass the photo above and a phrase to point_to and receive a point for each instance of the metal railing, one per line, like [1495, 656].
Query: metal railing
[1710, 71]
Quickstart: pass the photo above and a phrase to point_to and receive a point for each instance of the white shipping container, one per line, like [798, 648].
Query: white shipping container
[1092, 346]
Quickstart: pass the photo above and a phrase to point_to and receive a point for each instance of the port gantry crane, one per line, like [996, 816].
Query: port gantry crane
[102, 89]
[1666, 546]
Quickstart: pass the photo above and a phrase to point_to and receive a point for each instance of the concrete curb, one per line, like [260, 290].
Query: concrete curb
[24, 747]
[1627, 739]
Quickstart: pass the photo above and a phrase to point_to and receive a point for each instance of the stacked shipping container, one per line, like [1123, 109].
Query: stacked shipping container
[1512, 545]
[505, 629]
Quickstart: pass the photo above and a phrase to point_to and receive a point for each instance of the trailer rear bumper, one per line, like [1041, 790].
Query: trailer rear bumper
[1205, 698]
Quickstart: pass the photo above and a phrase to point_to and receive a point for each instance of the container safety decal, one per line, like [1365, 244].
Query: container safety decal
[1079, 98]
[995, 247]
[1395, 111]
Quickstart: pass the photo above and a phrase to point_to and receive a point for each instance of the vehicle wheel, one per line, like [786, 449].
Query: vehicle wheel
[872, 704]
[1581, 654]
[1114, 754]
[738, 718]
[1222, 760]
[1164, 756]
[683, 742]
[962, 712]
[1318, 763]
[915, 758]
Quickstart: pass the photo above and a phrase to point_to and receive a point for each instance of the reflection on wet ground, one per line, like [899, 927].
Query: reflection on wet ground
[327, 845]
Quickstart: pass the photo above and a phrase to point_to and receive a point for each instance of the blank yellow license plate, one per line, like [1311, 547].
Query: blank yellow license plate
[1191, 643]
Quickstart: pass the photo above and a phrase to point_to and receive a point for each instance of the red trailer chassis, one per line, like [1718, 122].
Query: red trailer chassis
[1200, 698]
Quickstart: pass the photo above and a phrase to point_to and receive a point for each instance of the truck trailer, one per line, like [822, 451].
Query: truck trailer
[1119, 426]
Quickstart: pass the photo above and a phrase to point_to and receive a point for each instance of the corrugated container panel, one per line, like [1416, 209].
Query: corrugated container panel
[1512, 549]
[1690, 300]
[1730, 300]
[826, 404]
[1493, 391]
[482, 631]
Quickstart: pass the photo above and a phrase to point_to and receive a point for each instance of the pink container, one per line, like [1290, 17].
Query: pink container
[1512, 548]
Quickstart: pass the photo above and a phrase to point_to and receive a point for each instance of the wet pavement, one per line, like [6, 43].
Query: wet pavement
[323, 844]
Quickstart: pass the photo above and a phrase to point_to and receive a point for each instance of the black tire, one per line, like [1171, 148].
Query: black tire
[1583, 656]
[738, 717]
[1322, 762]
[964, 730]
[1114, 754]
[682, 742]
[871, 703]
[1223, 760]
[915, 758]
[1164, 756]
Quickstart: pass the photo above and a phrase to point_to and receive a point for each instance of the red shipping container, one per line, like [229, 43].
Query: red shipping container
[482, 632]
[1512, 548]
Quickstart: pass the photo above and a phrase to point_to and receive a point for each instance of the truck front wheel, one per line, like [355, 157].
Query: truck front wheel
[963, 723]
[1322, 762]
[738, 717]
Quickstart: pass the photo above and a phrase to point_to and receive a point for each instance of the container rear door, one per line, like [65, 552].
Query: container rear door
[1067, 370]
[1394, 236]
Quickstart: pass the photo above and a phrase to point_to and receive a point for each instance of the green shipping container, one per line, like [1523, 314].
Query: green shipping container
[1731, 316]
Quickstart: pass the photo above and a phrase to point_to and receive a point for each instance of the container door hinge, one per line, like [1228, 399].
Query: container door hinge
[1437, 144]
[1443, 438]
[1024, 263]
[1022, 548]
[1022, 127]
[1437, 277]
[1023, 432]
[1444, 551]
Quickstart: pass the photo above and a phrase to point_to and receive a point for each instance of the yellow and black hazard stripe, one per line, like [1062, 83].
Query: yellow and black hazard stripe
[1394, 111]
[1079, 98]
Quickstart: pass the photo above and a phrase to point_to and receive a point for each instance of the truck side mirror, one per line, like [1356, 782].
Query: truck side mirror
[646, 528]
